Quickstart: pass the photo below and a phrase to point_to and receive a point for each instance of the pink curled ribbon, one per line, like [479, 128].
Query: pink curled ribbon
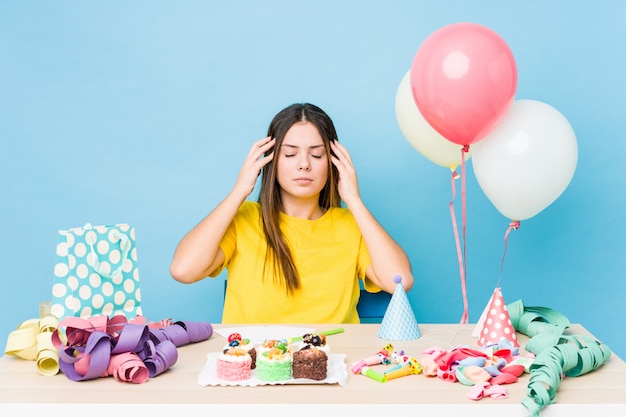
[127, 367]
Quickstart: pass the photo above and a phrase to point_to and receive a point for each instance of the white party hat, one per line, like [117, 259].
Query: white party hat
[481, 321]
[399, 321]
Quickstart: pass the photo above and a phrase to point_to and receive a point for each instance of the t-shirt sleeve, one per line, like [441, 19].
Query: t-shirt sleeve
[248, 212]
[363, 263]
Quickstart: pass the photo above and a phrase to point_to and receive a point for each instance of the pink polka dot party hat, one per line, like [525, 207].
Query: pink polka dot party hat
[495, 323]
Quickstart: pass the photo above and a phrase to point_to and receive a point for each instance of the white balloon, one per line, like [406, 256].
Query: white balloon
[527, 161]
[420, 134]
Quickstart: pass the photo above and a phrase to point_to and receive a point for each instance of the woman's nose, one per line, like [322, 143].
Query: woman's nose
[304, 164]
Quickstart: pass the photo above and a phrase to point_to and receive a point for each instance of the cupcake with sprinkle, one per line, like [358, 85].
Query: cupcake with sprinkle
[236, 341]
[234, 364]
[310, 359]
[274, 361]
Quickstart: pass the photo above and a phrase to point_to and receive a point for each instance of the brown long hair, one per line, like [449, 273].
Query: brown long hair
[269, 193]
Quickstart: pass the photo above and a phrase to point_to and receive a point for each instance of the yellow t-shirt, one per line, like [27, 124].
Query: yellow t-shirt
[328, 252]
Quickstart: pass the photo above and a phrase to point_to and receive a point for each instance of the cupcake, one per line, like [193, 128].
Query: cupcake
[310, 360]
[235, 340]
[234, 364]
[273, 361]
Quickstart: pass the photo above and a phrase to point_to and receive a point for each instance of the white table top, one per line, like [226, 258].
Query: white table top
[23, 389]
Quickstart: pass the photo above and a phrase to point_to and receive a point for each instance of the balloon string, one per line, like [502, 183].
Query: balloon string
[460, 254]
[458, 245]
[514, 225]
[465, 318]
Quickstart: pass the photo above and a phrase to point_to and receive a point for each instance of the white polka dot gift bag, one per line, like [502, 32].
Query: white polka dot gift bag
[96, 272]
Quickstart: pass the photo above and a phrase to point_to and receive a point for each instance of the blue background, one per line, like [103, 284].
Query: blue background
[141, 112]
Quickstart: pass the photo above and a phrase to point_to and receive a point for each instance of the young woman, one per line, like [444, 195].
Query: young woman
[295, 255]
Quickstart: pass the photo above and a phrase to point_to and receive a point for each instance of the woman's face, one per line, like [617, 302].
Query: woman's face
[302, 165]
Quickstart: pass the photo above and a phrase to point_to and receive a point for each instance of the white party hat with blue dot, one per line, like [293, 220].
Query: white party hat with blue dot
[399, 321]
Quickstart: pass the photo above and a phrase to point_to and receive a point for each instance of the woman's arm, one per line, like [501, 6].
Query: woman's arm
[388, 258]
[198, 253]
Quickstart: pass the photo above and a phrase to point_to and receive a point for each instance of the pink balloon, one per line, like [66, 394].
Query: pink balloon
[463, 80]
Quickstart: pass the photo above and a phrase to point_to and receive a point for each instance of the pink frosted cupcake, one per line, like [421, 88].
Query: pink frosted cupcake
[234, 364]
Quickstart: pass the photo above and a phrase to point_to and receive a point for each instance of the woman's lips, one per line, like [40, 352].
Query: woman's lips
[303, 180]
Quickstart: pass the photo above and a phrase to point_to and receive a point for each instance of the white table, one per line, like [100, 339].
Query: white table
[177, 393]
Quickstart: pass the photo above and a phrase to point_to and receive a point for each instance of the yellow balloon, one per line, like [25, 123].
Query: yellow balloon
[421, 135]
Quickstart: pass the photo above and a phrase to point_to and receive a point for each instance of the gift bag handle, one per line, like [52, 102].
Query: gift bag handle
[124, 245]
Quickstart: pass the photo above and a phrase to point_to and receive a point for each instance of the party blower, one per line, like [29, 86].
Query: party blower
[405, 363]
[382, 357]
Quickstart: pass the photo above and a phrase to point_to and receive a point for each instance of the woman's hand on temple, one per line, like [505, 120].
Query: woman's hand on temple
[348, 185]
[252, 166]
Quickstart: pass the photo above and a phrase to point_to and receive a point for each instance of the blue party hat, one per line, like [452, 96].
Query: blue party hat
[399, 321]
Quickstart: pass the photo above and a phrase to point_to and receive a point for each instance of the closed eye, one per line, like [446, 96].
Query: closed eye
[290, 155]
